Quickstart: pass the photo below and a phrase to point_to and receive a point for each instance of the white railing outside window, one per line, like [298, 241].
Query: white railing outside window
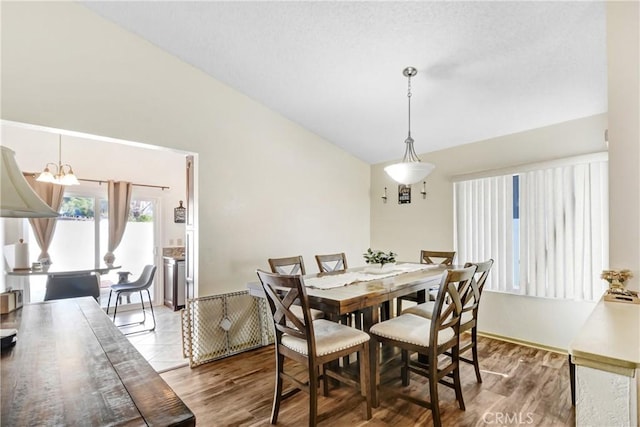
[545, 225]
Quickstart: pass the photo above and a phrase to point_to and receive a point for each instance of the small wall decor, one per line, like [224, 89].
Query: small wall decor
[424, 189]
[404, 194]
[384, 195]
[179, 214]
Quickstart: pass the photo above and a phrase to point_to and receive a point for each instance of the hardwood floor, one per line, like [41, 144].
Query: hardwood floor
[521, 386]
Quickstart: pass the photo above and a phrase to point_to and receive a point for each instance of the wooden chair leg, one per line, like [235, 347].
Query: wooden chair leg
[363, 357]
[404, 371]
[474, 351]
[456, 379]
[325, 381]
[277, 395]
[345, 319]
[433, 394]
[313, 396]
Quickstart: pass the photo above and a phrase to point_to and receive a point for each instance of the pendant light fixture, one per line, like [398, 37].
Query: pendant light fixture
[411, 169]
[17, 198]
[64, 173]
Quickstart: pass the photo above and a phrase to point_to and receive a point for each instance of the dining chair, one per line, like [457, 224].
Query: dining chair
[72, 286]
[291, 266]
[427, 257]
[142, 283]
[312, 343]
[469, 320]
[436, 340]
[331, 262]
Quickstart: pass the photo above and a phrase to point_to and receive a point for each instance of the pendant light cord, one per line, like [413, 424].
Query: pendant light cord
[409, 102]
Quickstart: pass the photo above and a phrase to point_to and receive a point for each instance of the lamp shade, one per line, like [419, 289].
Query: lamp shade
[17, 198]
[409, 172]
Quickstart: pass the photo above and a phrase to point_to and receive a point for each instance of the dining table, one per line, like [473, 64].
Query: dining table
[70, 365]
[364, 289]
[20, 279]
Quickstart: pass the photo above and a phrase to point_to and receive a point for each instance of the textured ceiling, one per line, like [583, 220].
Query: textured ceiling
[485, 69]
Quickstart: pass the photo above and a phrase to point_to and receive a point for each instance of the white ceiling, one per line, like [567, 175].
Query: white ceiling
[485, 69]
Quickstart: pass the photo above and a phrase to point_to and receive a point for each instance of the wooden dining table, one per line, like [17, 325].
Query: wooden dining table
[70, 365]
[366, 297]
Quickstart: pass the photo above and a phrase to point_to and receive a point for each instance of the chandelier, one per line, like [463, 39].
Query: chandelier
[411, 169]
[63, 172]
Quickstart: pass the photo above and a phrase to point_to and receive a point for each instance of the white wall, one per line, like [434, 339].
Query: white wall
[623, 51]
[428, 223]
[266, 186]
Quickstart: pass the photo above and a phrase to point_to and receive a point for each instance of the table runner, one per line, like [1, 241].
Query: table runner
[343, 279]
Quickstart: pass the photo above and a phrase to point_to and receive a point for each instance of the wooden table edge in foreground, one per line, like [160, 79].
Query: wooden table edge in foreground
[108, 382]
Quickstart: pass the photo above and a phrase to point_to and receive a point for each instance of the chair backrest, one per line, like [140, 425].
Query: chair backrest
[72, 286]
[146, 277]
[437, 257]
[289, 266]
[331, 262]
[482, 272]
[447, 310]
[480, 277]
[283, 291]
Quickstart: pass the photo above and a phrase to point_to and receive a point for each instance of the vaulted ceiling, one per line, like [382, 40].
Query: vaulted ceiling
[485, 69]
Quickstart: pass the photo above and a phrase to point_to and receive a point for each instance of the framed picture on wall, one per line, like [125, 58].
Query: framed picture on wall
[179, 214]
[404, 194]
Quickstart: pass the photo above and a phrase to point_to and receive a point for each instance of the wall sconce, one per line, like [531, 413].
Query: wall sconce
[384, 195]
[424, 189]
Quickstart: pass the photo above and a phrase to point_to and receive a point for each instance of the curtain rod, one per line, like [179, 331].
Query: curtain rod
[101, 181]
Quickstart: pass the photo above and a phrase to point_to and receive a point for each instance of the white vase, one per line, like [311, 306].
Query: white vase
[379, 268]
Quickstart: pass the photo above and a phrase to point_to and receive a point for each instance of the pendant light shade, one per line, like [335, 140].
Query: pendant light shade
[17, 198]
[411, 169]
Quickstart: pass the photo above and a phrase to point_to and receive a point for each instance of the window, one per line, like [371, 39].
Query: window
[81, 238]
[545, 226]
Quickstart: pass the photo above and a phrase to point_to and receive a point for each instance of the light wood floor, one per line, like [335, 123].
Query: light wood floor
[521, 386]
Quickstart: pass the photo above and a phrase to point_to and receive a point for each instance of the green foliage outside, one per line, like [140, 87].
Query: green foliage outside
[82, 208]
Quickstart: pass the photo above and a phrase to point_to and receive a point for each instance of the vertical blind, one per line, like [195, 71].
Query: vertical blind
[546, 229]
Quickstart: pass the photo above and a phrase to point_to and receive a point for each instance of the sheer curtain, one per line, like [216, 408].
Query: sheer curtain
[43, 228]
[119, 197]
[552, 242]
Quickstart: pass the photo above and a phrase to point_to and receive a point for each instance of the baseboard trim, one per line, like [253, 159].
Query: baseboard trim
[523, 342]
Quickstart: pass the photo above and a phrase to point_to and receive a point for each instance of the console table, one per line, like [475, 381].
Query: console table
[72, 366]
[606, 354]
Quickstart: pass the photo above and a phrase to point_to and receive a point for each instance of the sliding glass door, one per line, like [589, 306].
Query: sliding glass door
[81, 237]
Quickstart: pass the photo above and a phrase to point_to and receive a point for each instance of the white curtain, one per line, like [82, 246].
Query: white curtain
[562, 229]
[484, 227]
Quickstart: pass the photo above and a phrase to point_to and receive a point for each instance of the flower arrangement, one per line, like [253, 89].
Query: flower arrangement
[616, 278]
[379, 257]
